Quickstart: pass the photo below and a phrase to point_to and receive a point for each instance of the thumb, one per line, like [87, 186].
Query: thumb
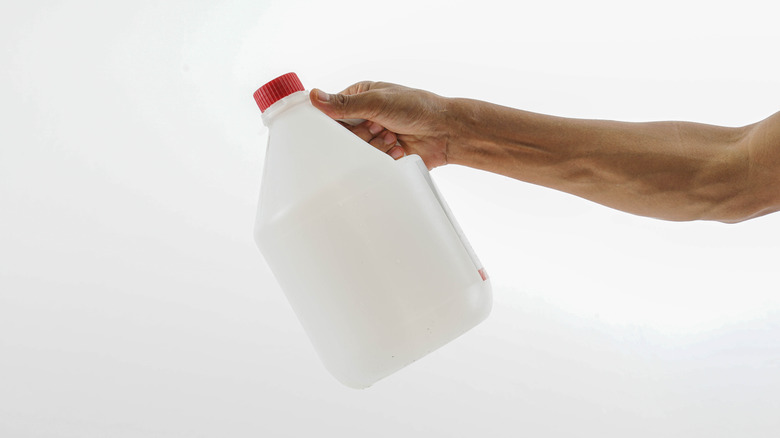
[347, 106]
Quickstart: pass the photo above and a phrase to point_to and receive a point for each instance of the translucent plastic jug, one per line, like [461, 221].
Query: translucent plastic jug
[364, 247]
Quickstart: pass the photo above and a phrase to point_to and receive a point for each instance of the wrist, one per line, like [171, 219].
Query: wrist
[520, 144]
[463, 123]
[485, 135]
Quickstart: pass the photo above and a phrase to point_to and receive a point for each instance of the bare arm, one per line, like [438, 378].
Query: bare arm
[667, 170]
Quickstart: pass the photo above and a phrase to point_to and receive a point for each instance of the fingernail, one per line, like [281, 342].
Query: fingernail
[389, 138]
[375, 128]
[322, 96]
[396, 152]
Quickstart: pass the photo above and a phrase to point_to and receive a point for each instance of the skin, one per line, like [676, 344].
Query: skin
[668, 170]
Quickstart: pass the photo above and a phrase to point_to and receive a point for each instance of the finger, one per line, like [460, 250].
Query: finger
[384, 141]
[359, 87]
[396, 152]
[367, 130]
[366, 105]
[363, 86]
[353, 122]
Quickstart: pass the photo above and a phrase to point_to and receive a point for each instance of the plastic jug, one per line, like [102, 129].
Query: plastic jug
[364, 247]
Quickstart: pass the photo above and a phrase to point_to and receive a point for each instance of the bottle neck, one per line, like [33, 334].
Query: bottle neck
[283, 105]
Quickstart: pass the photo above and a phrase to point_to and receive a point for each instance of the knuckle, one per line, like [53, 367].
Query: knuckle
[363, 86]
[341, 99]
[341, 102]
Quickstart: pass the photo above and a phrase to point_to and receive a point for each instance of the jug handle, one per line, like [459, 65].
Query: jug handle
[427, 176]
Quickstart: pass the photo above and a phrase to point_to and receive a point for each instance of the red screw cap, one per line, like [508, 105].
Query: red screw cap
[278, 88]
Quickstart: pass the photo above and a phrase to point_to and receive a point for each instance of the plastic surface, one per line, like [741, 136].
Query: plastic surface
[364, 247]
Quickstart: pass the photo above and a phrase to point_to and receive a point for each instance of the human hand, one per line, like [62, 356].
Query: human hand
[399, 120]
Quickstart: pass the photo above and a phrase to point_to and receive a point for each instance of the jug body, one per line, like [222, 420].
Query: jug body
[364, 247]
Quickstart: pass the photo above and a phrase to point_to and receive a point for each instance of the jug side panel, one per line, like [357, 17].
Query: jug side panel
[381, 265]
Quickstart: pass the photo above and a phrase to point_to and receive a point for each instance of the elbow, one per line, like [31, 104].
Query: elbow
[748, 213]
[752, 181]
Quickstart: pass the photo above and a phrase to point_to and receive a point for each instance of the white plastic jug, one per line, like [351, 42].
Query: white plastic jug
[364, 247]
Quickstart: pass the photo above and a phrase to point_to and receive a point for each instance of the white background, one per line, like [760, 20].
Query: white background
[133, 302]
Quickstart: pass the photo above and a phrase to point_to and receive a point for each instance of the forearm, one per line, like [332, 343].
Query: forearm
[668, 170]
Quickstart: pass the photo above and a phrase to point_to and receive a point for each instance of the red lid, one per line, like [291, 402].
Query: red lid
[278, 88]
